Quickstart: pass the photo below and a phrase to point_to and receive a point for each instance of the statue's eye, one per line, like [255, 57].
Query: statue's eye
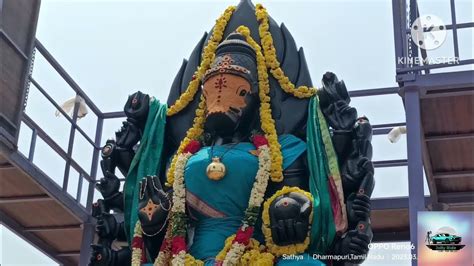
[242, 93]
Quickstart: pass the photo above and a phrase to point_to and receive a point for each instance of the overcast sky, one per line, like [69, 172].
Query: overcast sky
[113, 48]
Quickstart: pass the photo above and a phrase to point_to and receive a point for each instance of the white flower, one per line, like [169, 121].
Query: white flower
[261, 178]
[136, 256]
[179, 259]
[163, 257]
[235, 253]
[179, 191]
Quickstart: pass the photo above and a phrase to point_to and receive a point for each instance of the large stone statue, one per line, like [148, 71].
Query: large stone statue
[246, 164]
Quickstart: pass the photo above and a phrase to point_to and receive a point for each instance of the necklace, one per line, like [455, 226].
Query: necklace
[216, 170]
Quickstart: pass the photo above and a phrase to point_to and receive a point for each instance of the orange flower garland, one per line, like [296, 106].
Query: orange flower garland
[271, 60]
[192, 134]
[267, 122]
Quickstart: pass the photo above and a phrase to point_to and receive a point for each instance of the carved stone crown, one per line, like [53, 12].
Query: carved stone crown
[234, 56]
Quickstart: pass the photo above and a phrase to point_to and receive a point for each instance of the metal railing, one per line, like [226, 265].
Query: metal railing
[88, 175]
[405, 12]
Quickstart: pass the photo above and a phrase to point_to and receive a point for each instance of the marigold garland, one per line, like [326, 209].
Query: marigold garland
[192, 134]
[207, 58]
[191, 261]
[267, 124]
[271, 60]
[255, 254]
[289, 249]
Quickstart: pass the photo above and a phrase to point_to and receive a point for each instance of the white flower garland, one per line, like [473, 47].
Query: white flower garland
[179, 259]
[261, 178]
[163, 257]
[179, 190]
[234, 254]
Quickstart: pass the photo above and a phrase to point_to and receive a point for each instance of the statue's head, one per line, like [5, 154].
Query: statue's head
[230, 88]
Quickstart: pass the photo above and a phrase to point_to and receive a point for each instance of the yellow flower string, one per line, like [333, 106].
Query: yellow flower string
[254, 254]
[191, 261]
[267, 122]
[271, 60]
[207, 58]
[192, 134]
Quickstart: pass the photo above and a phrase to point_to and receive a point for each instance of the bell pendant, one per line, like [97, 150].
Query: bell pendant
[216, 169]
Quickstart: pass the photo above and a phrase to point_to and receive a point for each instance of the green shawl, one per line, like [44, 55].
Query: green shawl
[322, 164]
[146, 162]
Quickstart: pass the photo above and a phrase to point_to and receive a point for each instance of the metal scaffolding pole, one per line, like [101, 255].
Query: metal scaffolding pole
[416, 201]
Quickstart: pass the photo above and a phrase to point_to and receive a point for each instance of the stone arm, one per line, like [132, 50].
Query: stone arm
[153, 208]
[351, 137]
[289, 219]
[117, 154]
[358, 183]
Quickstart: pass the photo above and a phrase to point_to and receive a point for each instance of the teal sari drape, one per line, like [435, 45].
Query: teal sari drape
[146, 162]
[217, 207]
[323, 229]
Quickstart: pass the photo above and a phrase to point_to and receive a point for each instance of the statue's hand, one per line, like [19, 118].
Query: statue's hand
[108, 185]
[109, 188]
[356, 242]
[359, 167]
[358, 207]
[137, 106]
[289, 218]
[340, 115]
[136, 110]
[153, 206]
[98, 208]
[107, 226]
[363, 137]
[128, 135]
[354, 171]
[115, 156]
[105, 256]
[101, 256]
[335, 101]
